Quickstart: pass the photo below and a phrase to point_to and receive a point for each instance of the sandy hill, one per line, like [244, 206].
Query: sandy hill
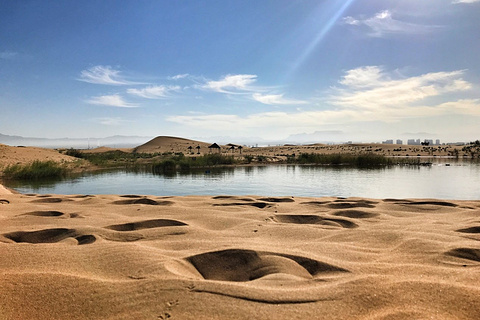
[13, 155]
[163, 144]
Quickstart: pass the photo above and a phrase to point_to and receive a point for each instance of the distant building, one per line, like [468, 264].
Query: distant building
[388, 141]
[429, 141]
[399, 141]
[413, 142]
[437, 142]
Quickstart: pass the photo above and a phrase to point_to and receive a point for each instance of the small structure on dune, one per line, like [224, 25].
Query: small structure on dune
[215, 148]
[190, 148]
[198, 149]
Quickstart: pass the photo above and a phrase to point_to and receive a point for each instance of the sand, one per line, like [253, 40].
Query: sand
[249, 257]
[22, 155]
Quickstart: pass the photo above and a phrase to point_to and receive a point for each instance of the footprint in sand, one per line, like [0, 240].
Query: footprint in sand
[355, 214]
[49, 200]
[147, 224]
[465, 253]
[313, 219]
[470, 230]
[343, 204]
[50, 236]
[239, 265]
[277, 199]
[260, 205]
[147, 201]
[421, 203]
[51, 213]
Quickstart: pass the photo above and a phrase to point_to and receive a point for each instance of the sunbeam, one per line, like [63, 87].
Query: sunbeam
[338, 10]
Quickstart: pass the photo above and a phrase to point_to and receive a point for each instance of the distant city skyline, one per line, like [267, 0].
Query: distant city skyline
[267, 70]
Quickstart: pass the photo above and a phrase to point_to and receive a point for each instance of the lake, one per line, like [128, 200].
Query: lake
[445, 179]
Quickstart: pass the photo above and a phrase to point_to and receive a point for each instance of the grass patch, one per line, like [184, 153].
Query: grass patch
[112, 158]
[35, 171]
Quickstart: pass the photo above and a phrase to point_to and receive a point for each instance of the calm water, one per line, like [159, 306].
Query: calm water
[459, 180]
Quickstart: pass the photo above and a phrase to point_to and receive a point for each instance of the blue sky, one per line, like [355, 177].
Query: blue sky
[362, 70]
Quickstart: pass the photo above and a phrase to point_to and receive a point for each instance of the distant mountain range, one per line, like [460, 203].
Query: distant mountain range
[80, 143]
[119, 141]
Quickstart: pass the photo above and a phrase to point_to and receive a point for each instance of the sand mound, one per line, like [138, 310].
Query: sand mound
[172, 144]
[23, 155]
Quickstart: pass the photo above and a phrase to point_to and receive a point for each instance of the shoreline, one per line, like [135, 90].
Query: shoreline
[5, 190]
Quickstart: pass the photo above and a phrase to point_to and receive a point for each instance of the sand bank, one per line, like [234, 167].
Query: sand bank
[4, 190]
[223, 257]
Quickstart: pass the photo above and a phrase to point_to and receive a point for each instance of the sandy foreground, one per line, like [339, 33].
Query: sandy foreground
[250, 257]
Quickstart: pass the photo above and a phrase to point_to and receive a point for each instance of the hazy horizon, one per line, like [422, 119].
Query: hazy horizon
[352, 70]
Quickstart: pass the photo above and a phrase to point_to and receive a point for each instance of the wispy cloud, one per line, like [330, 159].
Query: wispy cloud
[111, 121]
[465, 1]
[179, 76]
[367, 94]
[114, 100]
[371, 88]
[232, 84]
[7, 55]
[104, 75]
[275, 99]
[153, 92]
[383, 24]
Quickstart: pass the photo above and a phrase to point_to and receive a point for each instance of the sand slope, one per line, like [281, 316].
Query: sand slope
[163, 144]
[148, 257]
[22, 155]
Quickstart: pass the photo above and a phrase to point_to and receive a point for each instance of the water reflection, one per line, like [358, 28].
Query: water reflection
[446, 179]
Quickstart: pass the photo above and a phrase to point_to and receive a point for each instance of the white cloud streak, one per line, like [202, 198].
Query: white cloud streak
[110, 121]
[179, 76]
[114, 100]
[275, 99]
[370, 88]
[382, 24]
[153, 92]
[105, 75]
[465, 1]
[232, 84]
[7, 55]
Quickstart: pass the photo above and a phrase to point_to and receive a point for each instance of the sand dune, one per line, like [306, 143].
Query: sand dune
[229, 257]
[163, 144]
[13, 155]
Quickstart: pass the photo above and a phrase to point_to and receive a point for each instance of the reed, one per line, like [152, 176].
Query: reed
[35, 171]
[355, 160]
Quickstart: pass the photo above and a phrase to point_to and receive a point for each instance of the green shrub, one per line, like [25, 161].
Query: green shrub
[248, 158]
[168, 165]
[74, 153]
[35, 171]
